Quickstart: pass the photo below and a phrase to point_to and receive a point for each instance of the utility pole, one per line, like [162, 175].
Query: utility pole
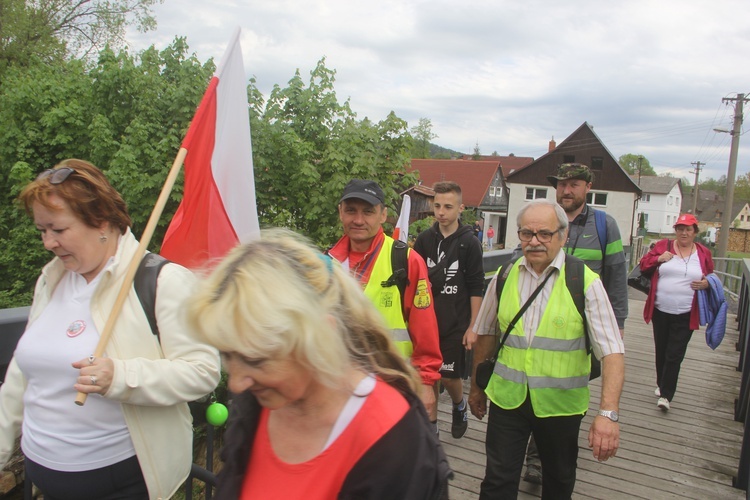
[726, 216]
[698, 166]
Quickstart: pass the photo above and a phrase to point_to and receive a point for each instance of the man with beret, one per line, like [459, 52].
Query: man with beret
[366, 252]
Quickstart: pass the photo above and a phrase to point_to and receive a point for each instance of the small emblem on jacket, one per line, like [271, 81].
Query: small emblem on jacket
[422, 297]
[76, 328]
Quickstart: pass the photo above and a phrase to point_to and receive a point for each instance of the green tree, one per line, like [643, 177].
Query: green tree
[307, 146]
[51, 29]
[477, 155]
[422, 135]
[127, 115]
[632, 163]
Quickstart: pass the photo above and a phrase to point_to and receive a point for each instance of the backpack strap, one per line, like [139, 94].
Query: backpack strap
[574, 281]
[399, 267]
[145, 286]
[600, 218]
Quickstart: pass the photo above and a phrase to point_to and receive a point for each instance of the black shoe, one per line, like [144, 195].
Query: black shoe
[533, 474]
[460, 421]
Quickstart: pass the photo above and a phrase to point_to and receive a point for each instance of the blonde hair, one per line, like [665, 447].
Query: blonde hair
[279, 297]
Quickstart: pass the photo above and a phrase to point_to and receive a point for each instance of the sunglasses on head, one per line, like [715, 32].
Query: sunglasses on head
[56, 175]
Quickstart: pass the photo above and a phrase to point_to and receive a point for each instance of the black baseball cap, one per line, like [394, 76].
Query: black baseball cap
[364, 190]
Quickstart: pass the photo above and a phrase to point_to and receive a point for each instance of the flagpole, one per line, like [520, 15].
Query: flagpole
[161, 202]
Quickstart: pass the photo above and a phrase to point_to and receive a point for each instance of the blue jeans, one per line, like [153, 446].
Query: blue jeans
[508, 434]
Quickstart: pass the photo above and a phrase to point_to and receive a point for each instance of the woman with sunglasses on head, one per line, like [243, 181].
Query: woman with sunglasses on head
[678, 269]
[324, 404]
[133, 437]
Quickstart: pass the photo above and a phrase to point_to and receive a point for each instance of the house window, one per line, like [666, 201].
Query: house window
[646, 198]
[535, 193]
[569, 158]
[596, 199]
[597, 163]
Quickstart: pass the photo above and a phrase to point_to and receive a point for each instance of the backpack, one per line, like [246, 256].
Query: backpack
[145, 286]
[600, 218]
[399, 268]
[574, 270]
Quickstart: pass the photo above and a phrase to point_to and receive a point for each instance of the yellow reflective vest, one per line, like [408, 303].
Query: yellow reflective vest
[554, 369]
[388, 299]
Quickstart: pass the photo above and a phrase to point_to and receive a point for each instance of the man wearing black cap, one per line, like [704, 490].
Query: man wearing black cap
[367, 252]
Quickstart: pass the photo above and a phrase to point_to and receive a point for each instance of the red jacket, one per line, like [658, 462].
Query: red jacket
[649, 264]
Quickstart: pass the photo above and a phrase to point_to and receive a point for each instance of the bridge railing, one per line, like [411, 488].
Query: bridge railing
[742, 403]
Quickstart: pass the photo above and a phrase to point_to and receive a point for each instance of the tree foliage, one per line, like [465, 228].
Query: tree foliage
[307, 146]
[52, 29]
[128, 115]
[422, 135]
[632, 163]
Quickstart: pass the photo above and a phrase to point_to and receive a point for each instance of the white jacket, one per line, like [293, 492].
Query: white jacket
[152, 380]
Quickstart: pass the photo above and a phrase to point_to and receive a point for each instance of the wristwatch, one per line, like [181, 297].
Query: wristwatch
[610, 414]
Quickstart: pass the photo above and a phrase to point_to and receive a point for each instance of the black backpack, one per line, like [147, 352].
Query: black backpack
[145, 288]
[574, 270]
[399, 268]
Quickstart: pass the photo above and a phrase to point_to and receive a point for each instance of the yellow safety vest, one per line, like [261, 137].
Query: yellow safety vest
[388, 299]
[554, 369]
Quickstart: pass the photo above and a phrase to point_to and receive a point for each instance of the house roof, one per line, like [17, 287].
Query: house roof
[656, 184]
[509, 164]
[585, 144]
[474, 176]
[710, 211]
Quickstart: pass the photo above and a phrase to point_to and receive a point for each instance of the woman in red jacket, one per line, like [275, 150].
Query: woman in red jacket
[679, 269]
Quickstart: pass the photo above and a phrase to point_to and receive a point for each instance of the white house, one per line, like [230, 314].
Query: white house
[612, 189]
[660, 202]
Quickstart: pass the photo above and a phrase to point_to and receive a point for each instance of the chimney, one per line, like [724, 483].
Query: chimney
[552, 144]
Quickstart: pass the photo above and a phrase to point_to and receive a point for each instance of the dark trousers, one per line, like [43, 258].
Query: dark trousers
[672, 335]
[120, 481]
[507, 436]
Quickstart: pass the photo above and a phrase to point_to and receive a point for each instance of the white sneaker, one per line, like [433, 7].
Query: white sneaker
[663, 404]
[657, 392]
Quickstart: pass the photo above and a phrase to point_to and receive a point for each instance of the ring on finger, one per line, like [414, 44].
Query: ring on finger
[93, 379]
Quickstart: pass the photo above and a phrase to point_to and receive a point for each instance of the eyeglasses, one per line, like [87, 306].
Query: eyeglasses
[542, 236]
[56, 175]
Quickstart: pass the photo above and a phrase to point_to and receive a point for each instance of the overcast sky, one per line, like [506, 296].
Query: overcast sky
[648, 75]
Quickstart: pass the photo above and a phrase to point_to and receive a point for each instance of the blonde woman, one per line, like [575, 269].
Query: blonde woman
[324, 406]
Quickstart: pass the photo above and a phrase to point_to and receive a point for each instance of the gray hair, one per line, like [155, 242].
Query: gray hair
[562, 218]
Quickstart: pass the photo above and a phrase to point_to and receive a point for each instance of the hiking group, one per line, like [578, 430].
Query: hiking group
[335, 360]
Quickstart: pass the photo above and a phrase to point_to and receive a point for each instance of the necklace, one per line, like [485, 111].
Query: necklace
[686, 261]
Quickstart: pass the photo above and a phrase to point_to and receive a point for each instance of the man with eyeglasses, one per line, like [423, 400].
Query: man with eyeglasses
[540, 379]
[593, 236]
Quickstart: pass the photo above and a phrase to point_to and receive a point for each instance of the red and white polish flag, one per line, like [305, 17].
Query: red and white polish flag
[218, 209]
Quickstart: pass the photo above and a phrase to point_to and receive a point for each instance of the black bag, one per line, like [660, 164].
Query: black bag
[639, 281]
[484, 372]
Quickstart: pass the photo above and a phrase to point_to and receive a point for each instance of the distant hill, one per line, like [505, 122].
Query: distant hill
[443, 153]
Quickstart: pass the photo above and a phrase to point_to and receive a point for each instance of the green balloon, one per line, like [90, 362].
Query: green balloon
[216, 414]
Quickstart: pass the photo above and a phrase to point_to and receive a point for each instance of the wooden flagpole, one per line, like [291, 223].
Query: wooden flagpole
[136, 260]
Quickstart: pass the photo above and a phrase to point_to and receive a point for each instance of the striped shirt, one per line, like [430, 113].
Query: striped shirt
[602, 324]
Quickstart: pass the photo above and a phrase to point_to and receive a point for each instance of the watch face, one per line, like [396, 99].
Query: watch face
[610, 414]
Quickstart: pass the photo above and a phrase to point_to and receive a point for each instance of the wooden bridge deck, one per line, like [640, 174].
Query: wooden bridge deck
[690, 452]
